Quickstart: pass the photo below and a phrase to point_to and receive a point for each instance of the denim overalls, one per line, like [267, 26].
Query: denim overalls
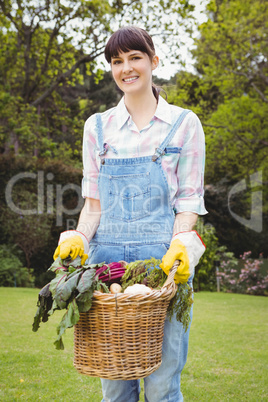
[136, 223]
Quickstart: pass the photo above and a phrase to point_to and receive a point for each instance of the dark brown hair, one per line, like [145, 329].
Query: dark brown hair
[127, 39]
[130, 38]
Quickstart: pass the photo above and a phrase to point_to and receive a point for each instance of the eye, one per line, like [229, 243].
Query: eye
[116, 62]
[136, 58]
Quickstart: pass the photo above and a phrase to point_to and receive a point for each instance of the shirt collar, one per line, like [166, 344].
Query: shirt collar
[121, 113]
[162, 112]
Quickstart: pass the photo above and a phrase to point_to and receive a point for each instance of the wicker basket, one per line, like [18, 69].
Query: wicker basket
[120, 337]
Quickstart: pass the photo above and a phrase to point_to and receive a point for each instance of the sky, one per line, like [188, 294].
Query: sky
[168, 70]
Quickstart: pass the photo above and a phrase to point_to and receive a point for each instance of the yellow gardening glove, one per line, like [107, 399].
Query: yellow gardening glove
[177, 251]
[71, 247]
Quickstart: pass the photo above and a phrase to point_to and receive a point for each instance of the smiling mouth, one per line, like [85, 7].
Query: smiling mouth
[130, 79]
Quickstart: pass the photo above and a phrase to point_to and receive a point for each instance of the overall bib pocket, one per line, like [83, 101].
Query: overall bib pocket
[147, 251]
[129, 196]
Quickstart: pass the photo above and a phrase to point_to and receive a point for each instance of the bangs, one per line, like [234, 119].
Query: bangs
[127, 39]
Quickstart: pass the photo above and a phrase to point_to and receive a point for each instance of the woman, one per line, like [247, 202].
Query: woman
[143, 189]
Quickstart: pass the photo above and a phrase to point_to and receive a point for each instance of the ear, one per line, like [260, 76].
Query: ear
[155, 62]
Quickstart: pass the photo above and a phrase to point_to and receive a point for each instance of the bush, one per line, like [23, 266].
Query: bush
[205, 271]
[248, 280]
[12, 273]
[37, 234]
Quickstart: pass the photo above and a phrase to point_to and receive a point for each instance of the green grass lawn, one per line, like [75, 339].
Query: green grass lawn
[228, 354]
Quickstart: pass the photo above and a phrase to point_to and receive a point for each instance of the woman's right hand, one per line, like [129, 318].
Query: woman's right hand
[71, 247]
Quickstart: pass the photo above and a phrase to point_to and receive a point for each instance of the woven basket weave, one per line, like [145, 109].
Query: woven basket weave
[120, 337]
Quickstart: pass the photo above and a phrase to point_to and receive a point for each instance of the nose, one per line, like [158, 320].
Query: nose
[127, 67]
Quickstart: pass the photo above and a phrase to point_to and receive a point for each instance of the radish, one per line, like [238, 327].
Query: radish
[115, 288]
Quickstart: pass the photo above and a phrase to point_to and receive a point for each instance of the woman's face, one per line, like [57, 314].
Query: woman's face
[132, 71]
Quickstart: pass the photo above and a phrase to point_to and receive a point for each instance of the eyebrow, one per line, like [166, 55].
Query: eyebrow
[131, 54]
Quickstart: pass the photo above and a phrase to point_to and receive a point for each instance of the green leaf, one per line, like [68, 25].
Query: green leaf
[84, 301]
[37, 319]
[72, 263]
[86, 288]
[70, 318]
[64, 290]
[44, 305]
[60, 277]
[86, 281]
[53, 308]
[56, 264]
[88, 266]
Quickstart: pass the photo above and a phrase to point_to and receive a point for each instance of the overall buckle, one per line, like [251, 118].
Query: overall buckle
[158, 152]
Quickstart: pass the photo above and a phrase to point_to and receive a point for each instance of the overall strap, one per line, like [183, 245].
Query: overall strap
[161, 149]
[102, 145]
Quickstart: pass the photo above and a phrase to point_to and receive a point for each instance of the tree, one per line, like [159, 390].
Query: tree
[12, 273]
[40, 200]
[28, 232]
[49, 49]
[229, 94]
[189, 91]
[232, 48]
[231, 53]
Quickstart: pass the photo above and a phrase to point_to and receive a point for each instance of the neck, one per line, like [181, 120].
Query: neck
[141, 107]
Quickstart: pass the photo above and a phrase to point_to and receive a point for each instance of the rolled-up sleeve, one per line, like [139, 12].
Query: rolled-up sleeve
[90, 165]
[190, 170]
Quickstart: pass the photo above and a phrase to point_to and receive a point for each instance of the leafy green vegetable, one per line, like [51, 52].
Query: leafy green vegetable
[60, 277]
[102, 287]
[76, 263]
[70, 318]
[84, 301]
[65, 290]
[56, 265]
[181, 305]
[156, 278]
[71, 289]
[44, 305]
[86, 281]
[139, 272]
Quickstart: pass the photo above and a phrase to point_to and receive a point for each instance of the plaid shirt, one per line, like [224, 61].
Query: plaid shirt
[184, 171]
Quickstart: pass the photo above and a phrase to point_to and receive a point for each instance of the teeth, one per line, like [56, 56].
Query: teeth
[129, 79]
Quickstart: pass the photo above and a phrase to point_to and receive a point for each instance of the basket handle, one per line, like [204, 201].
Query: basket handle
[172, 273]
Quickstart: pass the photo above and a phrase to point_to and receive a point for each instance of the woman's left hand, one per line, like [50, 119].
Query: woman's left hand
[177, 251]
[187, 247]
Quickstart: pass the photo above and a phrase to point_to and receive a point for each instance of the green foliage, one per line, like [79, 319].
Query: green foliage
[156, 278]
[231, 54]
[12, 272]
[28, 231]
[205, 271]
[30, 214]
[146, 272]
[229, 94]
[71, 289]
[232, 46]
[191, 92]
[241, 121]
[181, 305]
[49, 64]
